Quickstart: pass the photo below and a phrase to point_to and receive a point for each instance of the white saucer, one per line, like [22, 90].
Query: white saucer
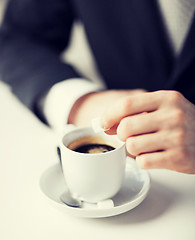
[133, 191]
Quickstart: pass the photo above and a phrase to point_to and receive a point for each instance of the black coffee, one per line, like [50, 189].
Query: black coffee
[91, 144]
[94, 148]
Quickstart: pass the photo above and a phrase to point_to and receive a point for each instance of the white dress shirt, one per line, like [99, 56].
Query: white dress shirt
[177, 16]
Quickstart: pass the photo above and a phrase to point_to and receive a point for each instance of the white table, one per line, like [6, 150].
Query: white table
[27, 148]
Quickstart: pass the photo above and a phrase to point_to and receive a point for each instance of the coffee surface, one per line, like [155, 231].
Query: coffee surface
[92, 145]
[94, 148]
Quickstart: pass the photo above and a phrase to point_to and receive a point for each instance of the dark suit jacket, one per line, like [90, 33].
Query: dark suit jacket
[127, 37]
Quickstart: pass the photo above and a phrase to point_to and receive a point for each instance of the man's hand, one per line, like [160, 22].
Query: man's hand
[158, 128]
[94, 104]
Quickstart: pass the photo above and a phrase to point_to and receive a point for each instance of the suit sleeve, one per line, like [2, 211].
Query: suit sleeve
[33, 34]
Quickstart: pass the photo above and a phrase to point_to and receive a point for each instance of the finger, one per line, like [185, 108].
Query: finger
[154, 160]
[112, 130]
[136, 91]
[130, 105]
[147, 143]
[131, 156]
[138, 124]
[169, 159]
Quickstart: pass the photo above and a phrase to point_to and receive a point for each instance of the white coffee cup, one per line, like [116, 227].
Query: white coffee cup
[93, 177]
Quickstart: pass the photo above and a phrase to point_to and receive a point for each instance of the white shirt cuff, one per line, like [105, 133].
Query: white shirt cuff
[60, 99]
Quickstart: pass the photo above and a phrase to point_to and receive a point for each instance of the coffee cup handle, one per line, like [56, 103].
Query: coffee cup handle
[67, 128]
[59, 157]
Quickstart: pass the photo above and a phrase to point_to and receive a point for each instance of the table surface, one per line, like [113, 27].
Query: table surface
[27, 148]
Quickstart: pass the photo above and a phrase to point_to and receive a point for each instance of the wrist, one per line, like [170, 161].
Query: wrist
[77, 112]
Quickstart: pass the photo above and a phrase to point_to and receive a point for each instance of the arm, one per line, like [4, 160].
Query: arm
[59, 101]
[32, 36]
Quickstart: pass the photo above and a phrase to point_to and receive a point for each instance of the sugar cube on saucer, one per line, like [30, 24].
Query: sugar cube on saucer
[108, 203]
